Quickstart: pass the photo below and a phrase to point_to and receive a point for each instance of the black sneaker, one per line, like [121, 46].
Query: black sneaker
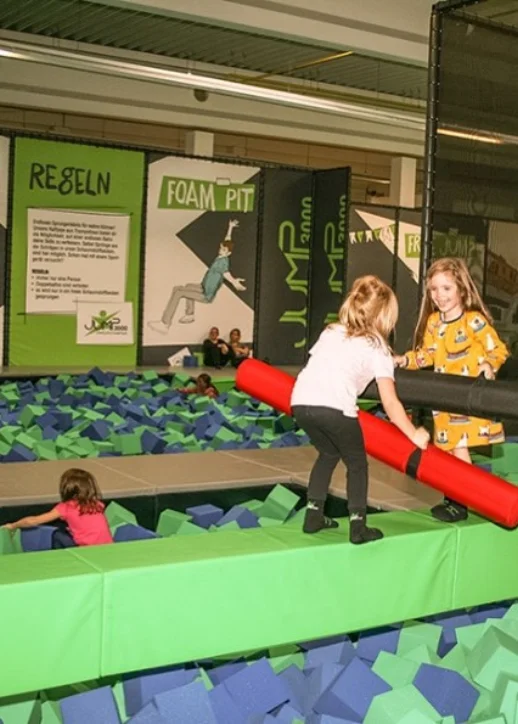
[450, 512]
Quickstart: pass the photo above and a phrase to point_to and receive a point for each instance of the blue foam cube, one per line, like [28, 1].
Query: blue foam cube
[220, 673]
[38, 538]
[20, 454]
[188, 703]
[338, 653]
[224, 707]
[148, 715]
[447, 691]
[296, 684]
[256, 689]
[139, 689]
[351, 694]
[481, 613]
[98, 430]
[152, 443]
[242, 516]
[90, 706]
[372, 642]
[129, 532]
[205, 515]
[318, 682]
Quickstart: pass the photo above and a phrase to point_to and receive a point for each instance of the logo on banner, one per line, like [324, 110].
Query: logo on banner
[104, 324]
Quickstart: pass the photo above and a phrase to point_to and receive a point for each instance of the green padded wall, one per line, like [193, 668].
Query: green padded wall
[75, 615]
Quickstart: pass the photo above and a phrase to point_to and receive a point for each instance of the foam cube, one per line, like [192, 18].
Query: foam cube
[224, 707]
[205, 515]
[279, 503]
[296, 684]
[148, 715]
[495, 653]
[338, 653]
[391, 707]
[187, 528]
[370, 643]
[10, 542]
[152, 443]
[38, 538]
[504, 699]
[26, 711]
[188, 703]
[89, 706]
[319, 682]
[128, 532]
[256, 689]
[169, 522]
[395, 670]
[220, 673]
[50, 713]
[479, 614]
[140, 689]
[116, 515]
[415, 633]
[243, 517]
[447, 691]
[350, 696]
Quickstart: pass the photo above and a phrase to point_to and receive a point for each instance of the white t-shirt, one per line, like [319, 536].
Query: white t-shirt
[339, 369]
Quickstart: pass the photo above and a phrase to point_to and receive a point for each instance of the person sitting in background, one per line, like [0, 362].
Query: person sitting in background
[203, 386]
[239, 351]
[216, 352]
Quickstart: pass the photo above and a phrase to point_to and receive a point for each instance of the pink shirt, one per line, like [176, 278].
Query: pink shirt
[89, 529]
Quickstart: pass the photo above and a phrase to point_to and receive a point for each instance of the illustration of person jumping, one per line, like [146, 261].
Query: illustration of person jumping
[205, 291]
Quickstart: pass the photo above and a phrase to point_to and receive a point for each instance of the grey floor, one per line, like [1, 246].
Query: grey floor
[36, 482]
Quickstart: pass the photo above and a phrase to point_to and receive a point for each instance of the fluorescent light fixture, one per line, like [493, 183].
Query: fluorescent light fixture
[470, 136]
[122, 69]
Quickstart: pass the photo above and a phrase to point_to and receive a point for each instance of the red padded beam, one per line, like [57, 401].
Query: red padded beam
[481, 491]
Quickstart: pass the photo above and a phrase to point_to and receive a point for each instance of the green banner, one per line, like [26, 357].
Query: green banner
[200, 195]
[75, 242]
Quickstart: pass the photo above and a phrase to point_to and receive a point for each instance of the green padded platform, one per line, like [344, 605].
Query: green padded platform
[83, 613]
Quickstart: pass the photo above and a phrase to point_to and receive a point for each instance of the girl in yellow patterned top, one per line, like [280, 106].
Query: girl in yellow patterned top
[454, 334]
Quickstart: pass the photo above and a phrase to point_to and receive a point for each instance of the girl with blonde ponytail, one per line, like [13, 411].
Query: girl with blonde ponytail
[346, 358]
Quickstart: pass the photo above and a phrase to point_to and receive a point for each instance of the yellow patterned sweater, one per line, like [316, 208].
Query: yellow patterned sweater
[458, 348]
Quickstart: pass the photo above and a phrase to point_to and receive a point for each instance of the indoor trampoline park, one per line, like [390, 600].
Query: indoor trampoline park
[189, 196]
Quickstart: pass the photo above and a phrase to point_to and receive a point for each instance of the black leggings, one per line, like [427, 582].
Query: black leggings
[336, 438]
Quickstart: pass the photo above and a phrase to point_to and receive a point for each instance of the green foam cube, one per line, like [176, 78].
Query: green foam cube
[51, 713]
[279, 503]
[170, 521]
[389, 708]
[416, 633]
[26, 440]
[232, 525]
[118, 515]
[496, 653]
[129, 444]
[469, 636]
[21, 710]
[282, 657]
[205, 679]
[149, 375]
[252, 505]
[46, 450]
[35, 432]
[4, 448]
[8, 433]
[269, 522]
[180, 379]
[395, 670]
[10, 542]
[188, 528]
[118, 695]
[504, 699]
[455, 660]
[296, 520]
[422, 654]
[30, 413]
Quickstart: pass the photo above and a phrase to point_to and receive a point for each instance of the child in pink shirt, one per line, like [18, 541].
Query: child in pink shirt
[81, 509]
